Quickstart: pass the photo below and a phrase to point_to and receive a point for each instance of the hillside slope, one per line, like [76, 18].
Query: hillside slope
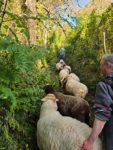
[99, 5]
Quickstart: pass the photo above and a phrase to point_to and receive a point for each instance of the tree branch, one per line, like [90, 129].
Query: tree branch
[78, 3]
[3, 14]
[54, 19]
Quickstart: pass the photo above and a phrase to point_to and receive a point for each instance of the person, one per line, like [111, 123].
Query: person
[61, 54]
[103, 107]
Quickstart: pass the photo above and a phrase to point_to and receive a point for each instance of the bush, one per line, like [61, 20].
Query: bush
[20, 93]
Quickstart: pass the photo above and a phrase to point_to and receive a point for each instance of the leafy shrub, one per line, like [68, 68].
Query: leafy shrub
[20, 93]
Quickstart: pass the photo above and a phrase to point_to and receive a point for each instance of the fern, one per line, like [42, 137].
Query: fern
[6, 95]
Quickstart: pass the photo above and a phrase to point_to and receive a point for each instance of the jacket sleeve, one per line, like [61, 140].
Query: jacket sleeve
[103, 102]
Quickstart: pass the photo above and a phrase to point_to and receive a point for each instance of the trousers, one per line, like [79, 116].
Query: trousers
[108, 134]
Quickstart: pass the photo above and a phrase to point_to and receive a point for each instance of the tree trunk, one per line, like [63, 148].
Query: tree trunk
[31, 22]
[3, 13]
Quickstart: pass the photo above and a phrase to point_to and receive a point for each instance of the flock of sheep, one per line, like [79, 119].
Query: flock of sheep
[73, 84]
[64, 119]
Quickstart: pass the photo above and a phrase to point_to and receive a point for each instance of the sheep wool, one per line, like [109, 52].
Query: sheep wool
[73, 76]
[76, 88]
[67, 67]
[73, 106]
[63, 74]
[56, 132]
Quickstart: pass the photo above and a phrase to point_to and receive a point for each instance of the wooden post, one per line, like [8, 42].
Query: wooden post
[104, 40]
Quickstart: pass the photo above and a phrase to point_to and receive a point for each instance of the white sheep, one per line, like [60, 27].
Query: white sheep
[73, 86]
[74, 76]
[63, 74]
[56, 132]
[67, 67]
[60, 65]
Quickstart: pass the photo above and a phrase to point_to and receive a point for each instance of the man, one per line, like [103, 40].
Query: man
[61, 54]
[103, 107]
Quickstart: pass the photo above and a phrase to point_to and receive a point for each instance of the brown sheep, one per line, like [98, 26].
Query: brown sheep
[72, 106]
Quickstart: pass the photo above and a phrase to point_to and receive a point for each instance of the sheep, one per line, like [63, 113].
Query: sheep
[56, 132]
[60, 65]
[72, 106]
[67, 67]
[75, 87]
[74, 76]
[64, 73]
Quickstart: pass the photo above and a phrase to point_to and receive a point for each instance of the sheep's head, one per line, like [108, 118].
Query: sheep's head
[60, 66]
[49, 105]
[48, 89]
[61, 61]
[50, 97]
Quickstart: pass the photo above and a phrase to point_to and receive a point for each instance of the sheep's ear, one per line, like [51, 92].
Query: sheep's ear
[70, 69]
[57, 100]
[43, 99]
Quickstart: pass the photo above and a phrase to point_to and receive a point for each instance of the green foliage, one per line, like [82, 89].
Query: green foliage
[7, 96]
[85, 46]
[22, 79]
[15, 59]
[20, 23]
[1, 5]
[21, 90]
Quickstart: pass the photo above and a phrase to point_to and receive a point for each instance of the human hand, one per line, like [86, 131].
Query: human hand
[87, 145]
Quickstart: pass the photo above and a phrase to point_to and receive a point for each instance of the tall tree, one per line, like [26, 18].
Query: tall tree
[30, 13]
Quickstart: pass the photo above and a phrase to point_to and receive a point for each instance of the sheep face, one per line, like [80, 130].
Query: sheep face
[48, 89]
[62, 62]
[59, 66]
